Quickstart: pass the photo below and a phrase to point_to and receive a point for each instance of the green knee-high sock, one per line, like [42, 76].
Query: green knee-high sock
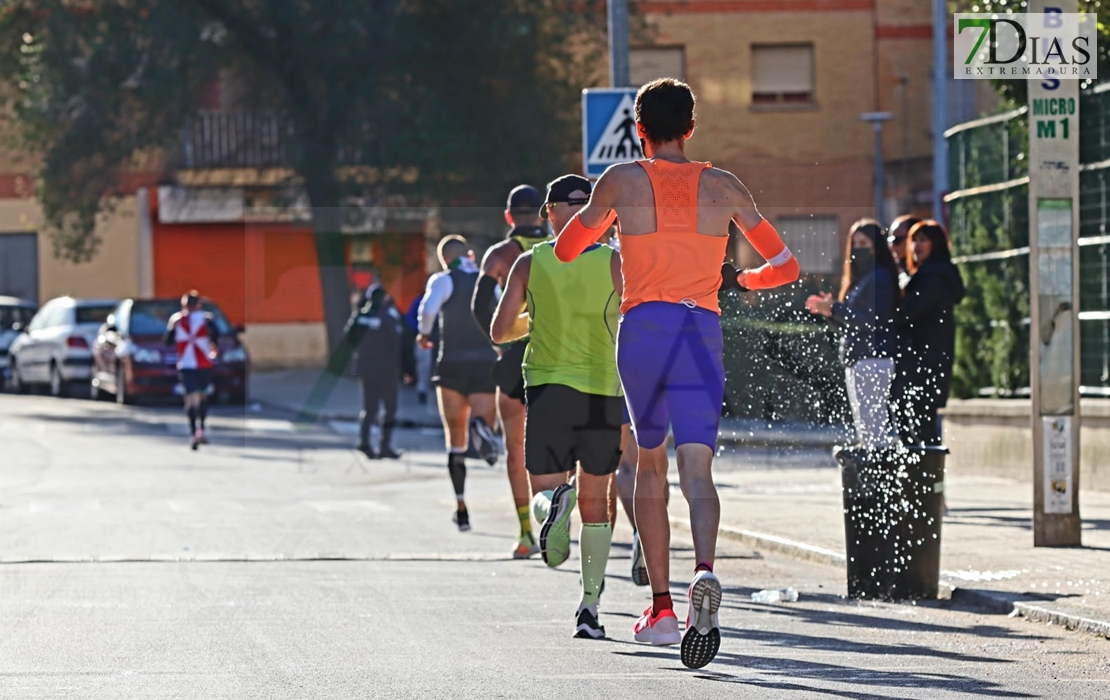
[594, 540]
[541, 504]
[525, 521]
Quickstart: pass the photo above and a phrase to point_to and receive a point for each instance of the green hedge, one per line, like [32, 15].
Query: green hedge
[780, 363]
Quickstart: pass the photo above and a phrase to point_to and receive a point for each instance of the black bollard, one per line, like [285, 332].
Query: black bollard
[893, 508]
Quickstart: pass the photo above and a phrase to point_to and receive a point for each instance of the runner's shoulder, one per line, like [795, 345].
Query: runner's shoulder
[723, 182]
[500, 256]
[622, 171]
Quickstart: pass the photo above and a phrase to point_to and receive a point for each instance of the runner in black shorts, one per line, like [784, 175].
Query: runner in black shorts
[569, 312]
[522, 212]
[464, 371]
[194, 334]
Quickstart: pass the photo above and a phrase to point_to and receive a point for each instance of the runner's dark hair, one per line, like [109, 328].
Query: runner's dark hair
[191, 298]
[665, 108]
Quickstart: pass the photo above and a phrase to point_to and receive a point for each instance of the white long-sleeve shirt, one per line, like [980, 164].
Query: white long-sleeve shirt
[436, 293]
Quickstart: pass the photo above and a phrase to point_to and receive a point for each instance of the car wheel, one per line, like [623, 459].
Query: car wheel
[121, 387]
[18, 386]
[59, 388]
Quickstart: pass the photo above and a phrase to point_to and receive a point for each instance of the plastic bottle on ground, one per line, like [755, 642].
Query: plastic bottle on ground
[783, 595]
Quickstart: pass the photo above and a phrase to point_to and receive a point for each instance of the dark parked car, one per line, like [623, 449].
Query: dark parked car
[131, 360]
[15, 314]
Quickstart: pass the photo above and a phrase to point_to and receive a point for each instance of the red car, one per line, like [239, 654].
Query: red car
[130, 359]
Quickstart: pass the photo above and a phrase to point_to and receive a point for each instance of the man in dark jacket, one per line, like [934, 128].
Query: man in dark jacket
[379, 368]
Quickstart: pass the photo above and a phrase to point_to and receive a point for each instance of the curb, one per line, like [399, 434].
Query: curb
[992, 601]
[1036, 613]
[780, 545]
[324, 417]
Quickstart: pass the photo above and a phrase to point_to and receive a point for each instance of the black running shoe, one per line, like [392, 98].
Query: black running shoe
[368, 451]
[588, 626]
[462, 519]
[702, 640]
[484, 440]
[390, 453]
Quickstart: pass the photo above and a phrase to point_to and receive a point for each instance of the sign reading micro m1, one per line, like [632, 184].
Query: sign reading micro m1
[1052, 44]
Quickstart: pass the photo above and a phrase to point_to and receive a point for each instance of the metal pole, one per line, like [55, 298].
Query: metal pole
[618, 44]
[940, 106]
[879, 171]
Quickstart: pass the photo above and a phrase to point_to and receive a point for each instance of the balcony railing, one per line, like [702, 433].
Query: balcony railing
[237, 140]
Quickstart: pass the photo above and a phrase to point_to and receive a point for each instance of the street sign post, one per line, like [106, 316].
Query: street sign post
[618, 44]
[608, 129]
[1054, 301]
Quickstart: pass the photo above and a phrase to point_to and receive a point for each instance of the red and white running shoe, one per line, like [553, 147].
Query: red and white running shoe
[197, 437]
[703, 634]
[658, 630]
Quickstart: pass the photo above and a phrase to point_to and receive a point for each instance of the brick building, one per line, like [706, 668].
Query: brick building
[781, 85]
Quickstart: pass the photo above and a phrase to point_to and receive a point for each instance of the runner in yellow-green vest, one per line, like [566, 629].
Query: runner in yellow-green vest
[575, 405]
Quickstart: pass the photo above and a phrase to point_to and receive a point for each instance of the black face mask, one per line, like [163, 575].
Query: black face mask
[863, 262]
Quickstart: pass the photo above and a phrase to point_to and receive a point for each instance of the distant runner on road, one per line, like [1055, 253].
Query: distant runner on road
[194, 333]
[674, 216]
[464, 370]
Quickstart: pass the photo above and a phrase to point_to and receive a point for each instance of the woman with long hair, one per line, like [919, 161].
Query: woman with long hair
[927, 333]
[864, 311]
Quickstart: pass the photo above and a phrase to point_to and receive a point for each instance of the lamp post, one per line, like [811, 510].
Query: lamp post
[940, 106]
[618, 44]
[876, 119]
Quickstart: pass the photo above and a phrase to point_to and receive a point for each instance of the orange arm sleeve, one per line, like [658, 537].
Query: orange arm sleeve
[781, 268]
[576, 238]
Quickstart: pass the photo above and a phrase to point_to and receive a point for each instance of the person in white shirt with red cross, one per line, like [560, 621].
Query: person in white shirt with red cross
[193, 331]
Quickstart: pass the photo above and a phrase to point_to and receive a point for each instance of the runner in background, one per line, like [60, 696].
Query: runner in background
[569, 314]
[464, 369]
[194, 333]
[522, 213]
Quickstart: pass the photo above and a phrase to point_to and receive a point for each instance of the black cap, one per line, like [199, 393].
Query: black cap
[571, 189]
[524, 198]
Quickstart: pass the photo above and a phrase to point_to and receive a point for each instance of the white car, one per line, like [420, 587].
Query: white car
[15, 314]
[55, 349]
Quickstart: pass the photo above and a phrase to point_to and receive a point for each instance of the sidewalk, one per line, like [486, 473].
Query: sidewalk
[288, 390]
[987, 555]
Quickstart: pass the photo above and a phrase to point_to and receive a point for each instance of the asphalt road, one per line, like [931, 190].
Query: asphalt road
[277, 563]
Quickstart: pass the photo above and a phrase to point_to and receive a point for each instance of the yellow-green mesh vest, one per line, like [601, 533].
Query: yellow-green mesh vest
[573, 312]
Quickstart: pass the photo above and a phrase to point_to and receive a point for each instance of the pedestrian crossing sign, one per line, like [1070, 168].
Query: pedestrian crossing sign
[608, 129]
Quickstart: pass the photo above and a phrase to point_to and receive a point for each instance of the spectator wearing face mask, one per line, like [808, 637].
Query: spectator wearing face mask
[864, 312]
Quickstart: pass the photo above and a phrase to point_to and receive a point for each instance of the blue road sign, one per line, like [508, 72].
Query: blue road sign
[608, 129]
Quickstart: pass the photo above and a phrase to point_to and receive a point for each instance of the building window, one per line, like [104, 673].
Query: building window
[648, 64]
[782, 74]
[814, 240]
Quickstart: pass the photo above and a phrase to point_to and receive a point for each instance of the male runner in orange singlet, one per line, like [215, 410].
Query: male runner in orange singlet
[674, 216]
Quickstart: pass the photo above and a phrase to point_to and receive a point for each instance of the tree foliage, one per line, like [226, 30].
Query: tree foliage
[457, 99]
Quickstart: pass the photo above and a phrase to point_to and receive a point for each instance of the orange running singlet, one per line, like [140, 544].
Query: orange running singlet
[675, 263]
